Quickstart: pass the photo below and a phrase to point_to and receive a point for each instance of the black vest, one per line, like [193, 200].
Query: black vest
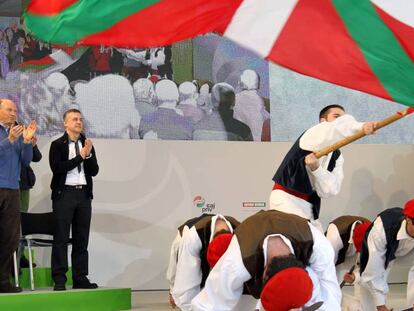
[344, 225]
[189, 223]
[252, 232]
[292, 174]
[202, 225]
[391, 219]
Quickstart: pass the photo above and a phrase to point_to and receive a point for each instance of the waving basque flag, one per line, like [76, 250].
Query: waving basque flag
[367, 45]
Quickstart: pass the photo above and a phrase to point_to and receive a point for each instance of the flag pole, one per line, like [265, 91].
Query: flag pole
[350, 272]
[360, 134]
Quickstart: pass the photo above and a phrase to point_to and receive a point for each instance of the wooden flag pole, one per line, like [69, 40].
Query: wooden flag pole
[360, 134]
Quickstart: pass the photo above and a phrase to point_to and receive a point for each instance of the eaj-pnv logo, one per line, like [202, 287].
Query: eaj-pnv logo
[200, 202]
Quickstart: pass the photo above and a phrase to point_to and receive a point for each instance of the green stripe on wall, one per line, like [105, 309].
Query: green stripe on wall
[383, 52]
[83, 19]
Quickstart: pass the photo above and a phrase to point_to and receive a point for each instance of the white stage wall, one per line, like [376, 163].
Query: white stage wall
[145, 189]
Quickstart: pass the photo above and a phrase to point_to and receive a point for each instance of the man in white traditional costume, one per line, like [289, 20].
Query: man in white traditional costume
[198, 245]
[270, 253]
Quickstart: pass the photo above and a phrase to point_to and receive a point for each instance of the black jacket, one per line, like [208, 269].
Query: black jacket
[60, 165]
[27, 176]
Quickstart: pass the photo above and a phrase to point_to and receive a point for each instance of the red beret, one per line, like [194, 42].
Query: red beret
[409, 209]
[217, 248]
[359, 233]
[288, 289]
[154, 78]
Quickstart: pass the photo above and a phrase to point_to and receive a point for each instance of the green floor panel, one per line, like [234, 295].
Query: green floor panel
[105, 299]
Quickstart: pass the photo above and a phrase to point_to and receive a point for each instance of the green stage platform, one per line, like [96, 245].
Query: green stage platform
[42, 277]
[101, 299]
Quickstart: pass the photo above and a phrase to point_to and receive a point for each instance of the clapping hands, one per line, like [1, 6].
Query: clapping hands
[87, 148]
[27, 132]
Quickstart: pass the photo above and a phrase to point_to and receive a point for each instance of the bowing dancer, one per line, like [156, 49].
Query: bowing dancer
[279, 258]
[198, 245]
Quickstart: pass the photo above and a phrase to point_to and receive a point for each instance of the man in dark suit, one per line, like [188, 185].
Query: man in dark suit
[73, 162]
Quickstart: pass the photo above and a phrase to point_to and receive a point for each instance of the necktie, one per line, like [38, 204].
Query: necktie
[77, 153]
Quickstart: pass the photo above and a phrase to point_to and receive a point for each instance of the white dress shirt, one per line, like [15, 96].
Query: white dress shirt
[188, 274]
[74, 177]
[224, 286]
[374, 277]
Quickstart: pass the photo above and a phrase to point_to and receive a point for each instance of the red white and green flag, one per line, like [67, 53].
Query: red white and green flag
[367, 45]
[61, 58]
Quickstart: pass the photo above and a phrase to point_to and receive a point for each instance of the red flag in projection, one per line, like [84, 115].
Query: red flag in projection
[60, 59]
[367, 45]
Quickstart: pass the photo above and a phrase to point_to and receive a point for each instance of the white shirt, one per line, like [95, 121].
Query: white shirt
[224, 286]
[325, 183]
[322, 135]
[334, 237]
[172, 264]
[74, 177]
[325, 134]
[374, 277]
[351, 256]
[188, 274]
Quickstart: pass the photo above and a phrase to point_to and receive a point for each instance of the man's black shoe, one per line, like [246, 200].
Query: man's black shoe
[84, 284]
[8, 288]
[59, 287]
